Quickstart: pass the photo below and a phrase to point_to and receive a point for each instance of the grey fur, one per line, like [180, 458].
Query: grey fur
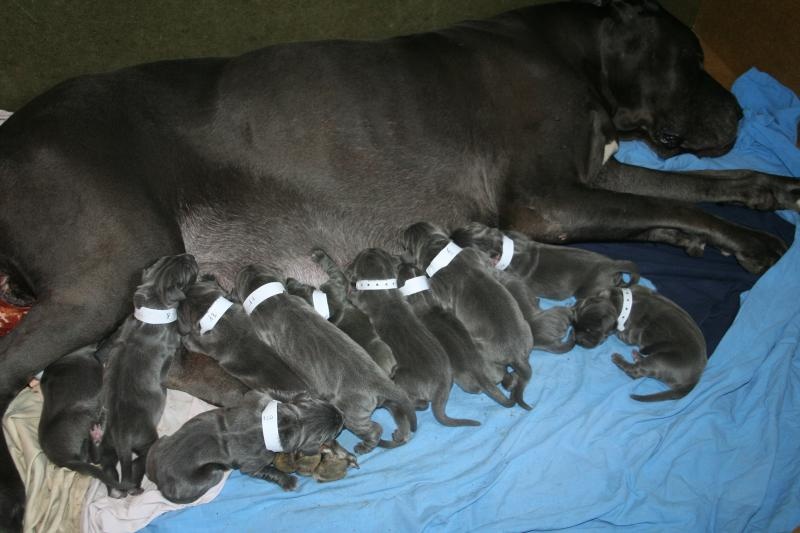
[423, 369]
[336, 368]
[202, 377]
[491, 315]
[673, 349]
[139, 354]
[187, 463]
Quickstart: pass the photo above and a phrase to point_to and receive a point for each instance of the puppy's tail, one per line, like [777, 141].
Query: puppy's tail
[671, 394]
[404, 416]
[94, 471]
[493, 391]
[440, 398]
[515, 383]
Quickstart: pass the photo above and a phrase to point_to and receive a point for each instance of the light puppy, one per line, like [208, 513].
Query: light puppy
[423, 370]
[336, 368]
[463, 284]
[187, 463]
[139, 355]
[672, 347]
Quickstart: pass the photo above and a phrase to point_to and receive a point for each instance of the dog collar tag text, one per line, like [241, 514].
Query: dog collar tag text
[376, 284]
[507, 255]
[213, 314]
[415, 285]
[443, 258]
[264, 292]
[320, 300]
[625, 312]
[269, 427]
[155, 316]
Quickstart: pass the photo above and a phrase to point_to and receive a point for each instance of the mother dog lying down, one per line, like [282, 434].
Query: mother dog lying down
[258, 158]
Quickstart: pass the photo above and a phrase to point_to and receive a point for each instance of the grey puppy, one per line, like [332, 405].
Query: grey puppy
[234, 344]
[343, 313]
[187, 463]
[467, 288]
[139, 355]
[550, 271]
[202, 377]
[673, 349]
[67, 431]
[336, 368]
[470, 371]
[423, 369]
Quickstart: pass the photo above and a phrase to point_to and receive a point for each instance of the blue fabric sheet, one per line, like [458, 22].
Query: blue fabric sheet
[725, 458]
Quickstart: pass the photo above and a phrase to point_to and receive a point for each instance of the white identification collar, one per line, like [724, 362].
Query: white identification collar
[213, 314]
[155, 316]
[320, 300]
[443, 258]
[268, 290]
[415, 285]
[269, 427]
[625, 312]
[376, 284]
[508, 254]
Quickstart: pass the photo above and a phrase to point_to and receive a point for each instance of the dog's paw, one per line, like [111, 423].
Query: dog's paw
[769, 193]
[289, 484]
[760, 252]
[135, 491]
[362, 447]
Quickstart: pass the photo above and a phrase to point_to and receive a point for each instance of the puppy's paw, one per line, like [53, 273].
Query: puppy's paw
[135, 491]
[362, 447]
[289, 483]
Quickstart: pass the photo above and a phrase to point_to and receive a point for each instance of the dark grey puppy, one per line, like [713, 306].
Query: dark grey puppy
[139, 355]
[202, 377]
[673, 349]
[68, 432]
[234, 344]
[550, 271]
[467, 288]
[336, 368]
[343, 313]
[187, 463]
[470, 371]
[423, 369]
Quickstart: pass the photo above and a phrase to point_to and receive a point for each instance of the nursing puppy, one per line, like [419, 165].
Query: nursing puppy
[202, 377]
[343, 313]
[187, 463]
[672, 347]
[336, 368]
[470, 371]
[549, 271]
[423, 370]
[467, 288]
[67, 431]
[226, 335]
[139, 354]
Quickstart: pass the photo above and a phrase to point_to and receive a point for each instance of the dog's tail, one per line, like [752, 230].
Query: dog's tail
[671, 394]
[94, 471]
[515, 383]
[404, 416]
[493, 391]
[440, 398]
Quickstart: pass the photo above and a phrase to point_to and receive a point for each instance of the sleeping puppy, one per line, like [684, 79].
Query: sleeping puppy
[219, 328]
[336, 368]
[470, 371]
[342, 313]
[463, 284]
[423, 370]
[673, 349]
[67, 431]
[139, 354]
[549, 271]
[187, 463]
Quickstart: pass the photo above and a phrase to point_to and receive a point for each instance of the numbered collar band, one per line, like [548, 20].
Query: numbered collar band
[376, 284]
[264, 292]
[415, 285]
[155, 316]
[507, 255]
[269, 426]
[320, 301]
[443, 258]
[213, 314]
[625, 312]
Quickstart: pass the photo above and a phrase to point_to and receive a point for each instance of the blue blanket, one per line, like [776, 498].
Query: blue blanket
[588, 457]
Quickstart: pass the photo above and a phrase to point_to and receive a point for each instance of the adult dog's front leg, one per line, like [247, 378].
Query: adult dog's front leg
[579, 214]
[755, 190]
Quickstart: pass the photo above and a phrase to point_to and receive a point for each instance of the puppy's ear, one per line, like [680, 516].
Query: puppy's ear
[139, 299]
[185, 322]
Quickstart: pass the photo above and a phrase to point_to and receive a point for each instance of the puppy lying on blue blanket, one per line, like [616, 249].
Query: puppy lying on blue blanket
[672, 347]
[187, 463]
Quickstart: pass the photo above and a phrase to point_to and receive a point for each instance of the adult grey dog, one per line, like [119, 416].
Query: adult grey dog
[342, 144]
[186, 464]
[470, 371]
[490, 313]
[672, 347]
[67, 431]
[139, 354]
[343, 313]
[423, 369]
[336, 369]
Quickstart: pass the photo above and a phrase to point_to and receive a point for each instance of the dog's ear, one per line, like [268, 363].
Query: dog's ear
[185, 322]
